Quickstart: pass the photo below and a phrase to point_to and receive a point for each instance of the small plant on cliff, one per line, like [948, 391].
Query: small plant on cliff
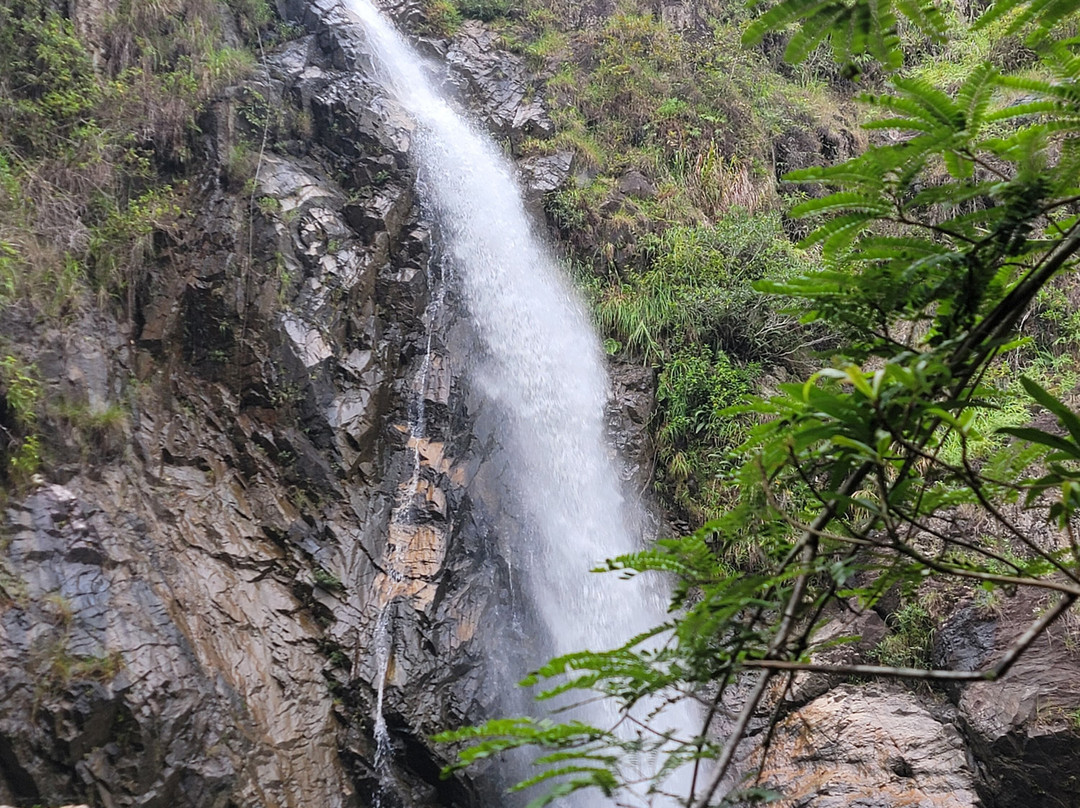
[909, 645]
[441, 18]
[20, 395]
[486, 10]
[934, 246]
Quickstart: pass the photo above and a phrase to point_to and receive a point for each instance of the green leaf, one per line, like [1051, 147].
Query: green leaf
[1065, 415]
[1044, 438]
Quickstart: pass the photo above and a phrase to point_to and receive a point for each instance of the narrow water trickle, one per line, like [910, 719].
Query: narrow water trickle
[539, 369]
[402, 517]
[384, 750]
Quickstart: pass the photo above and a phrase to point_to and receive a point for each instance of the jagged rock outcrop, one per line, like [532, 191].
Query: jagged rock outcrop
[1023, 730]
[499, 85]
[869, 745]
[190, 617]
[195, 598]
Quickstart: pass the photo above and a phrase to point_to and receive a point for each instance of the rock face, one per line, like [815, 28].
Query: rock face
[204, 596]
[996, 744]
[1024, 729]
[199, 603]
[869, 746]
[499, 85]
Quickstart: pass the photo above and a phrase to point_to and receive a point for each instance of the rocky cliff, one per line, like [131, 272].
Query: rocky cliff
[191, 596]
[189, 610]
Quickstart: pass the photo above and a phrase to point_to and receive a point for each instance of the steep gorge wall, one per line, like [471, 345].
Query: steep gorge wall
[187, 615]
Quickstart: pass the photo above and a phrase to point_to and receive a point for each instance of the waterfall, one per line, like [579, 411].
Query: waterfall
[540, 367]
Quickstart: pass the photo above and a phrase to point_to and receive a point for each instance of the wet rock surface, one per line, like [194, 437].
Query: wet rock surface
[1022, 729]
[190, 596]
[188, 603]
[870, 746]
[499, 84]
[629, 411]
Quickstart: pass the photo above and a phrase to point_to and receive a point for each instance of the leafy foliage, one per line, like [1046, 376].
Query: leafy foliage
[695, 437]
[853, 28]
[934, 246]
[20, 396]
[695, 315]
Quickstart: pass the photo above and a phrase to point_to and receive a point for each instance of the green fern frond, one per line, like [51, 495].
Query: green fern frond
[937, 105]
[853, 27]
[596, 777]
[783, 14]
[951, 194]
[839, 231]
[905, 248]
[810, 35]
[926, 17]
[1040, 17]
[1024, 110]
[846, 202]
[976, 93]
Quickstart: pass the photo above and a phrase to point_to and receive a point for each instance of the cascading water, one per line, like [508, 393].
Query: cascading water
[541, 369]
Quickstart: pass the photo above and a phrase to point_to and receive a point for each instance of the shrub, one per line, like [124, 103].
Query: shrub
[910, 643]
[20, 396]
[694, 435]
[486, 10]
[442, 18]
[698, 288]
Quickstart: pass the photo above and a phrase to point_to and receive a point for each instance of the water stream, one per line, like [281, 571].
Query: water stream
[540, 367]
[403, 518]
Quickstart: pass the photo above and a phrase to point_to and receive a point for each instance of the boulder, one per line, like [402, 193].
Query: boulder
[1023, 728]
[498, 85]
[871, 746]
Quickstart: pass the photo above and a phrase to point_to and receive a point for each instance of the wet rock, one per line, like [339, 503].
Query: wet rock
[1022, 728]
[546, 173]
[201, 634]
[498, 83]
[629, 411]
[386, 210]
[306, 342]
[357, 122]
[542, 175]
[405, 292]
[91, 648]
[869, 746]
[634, 183]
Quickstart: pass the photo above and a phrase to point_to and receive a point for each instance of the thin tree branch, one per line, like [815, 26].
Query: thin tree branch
[1000, 669]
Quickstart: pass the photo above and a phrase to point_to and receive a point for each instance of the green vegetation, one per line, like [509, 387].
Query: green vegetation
[326, 579]
[94, 136]
[442, 18]
[96, 127]
[57, 668]
[933, 248]
[911, 641]
[486, 10]
[694, 313]
[20, 445]
[695, 115]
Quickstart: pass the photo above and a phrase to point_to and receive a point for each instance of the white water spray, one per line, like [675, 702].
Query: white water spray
[541, 368]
